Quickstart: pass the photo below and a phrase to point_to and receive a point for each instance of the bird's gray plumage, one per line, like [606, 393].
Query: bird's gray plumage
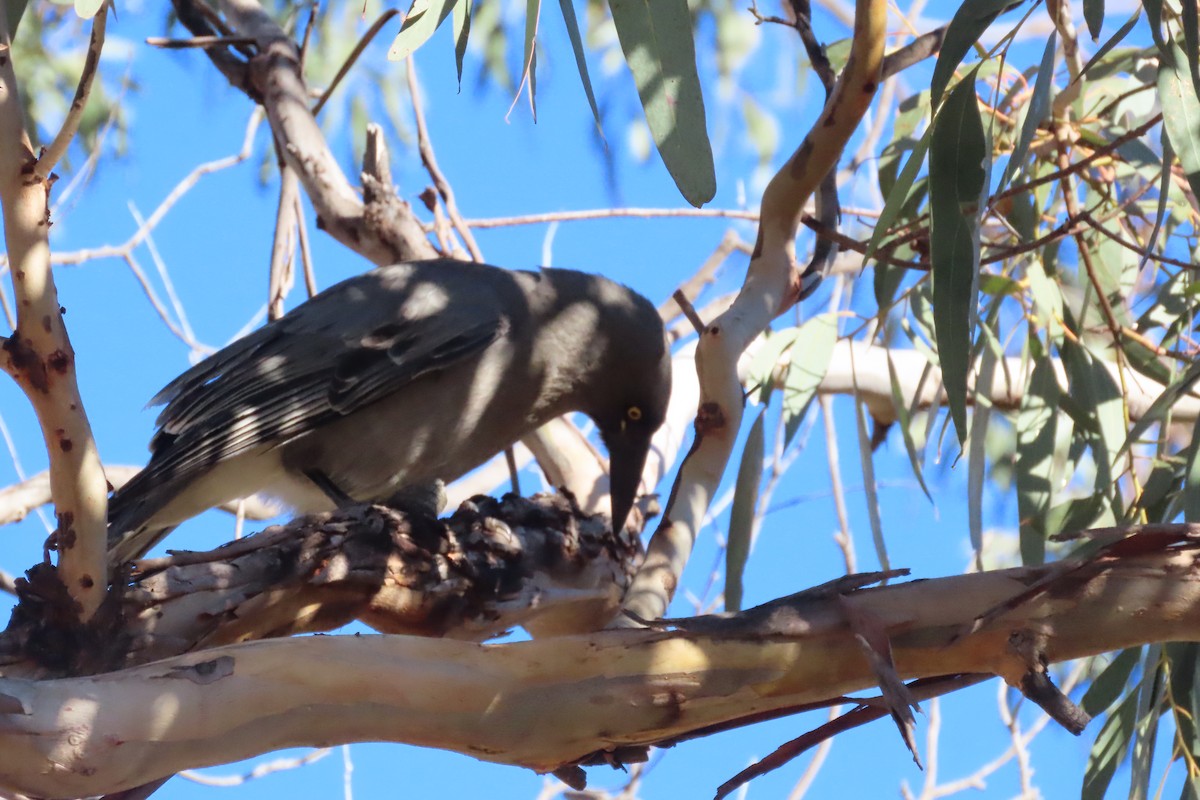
[404, 375]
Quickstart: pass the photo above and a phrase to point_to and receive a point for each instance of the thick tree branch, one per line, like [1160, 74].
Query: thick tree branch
[493, 565]
[275, 79]
[772, 286]
[39, 355]
[546, 704]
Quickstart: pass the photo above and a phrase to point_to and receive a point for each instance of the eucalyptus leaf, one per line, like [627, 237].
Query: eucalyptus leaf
[656, 37]
[1110, 748]
[1036, 110]
[422, 19]
[461, 25]
[1181, 111]
[969, 22]
[741, 519]
[957, 182]
[1093, 14]
[572, 23]
[1035, 457]
[1113, 41]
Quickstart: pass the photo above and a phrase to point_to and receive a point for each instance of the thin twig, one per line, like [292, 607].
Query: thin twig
[688, 310]
[425, 145]
[384, 18]
[66, 133]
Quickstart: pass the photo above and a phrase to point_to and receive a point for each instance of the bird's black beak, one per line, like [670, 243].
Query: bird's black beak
[626, 460]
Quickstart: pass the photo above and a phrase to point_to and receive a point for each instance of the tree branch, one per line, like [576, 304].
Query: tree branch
[772, 286]
[39, 355]
[593, 697]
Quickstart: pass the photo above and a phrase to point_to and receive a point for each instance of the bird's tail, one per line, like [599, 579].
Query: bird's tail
[131, 532]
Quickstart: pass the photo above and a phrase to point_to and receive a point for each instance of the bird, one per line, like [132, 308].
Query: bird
[399, 377]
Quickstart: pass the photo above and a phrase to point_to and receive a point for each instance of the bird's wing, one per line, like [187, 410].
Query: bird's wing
[288, 379]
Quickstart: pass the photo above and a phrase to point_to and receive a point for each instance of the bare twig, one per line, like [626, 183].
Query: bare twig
[66, 132]
[366, 39]
[425, 146]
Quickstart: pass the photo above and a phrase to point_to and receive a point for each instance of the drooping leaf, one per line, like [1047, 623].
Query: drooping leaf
[1146, 730]
[533, 14]
[905, 421]
[461, 25]
[1191, 42]
[811, 353]
[656, 37]
[15, 10]
[1036, 427]
[1090, 378]
[1164, 196]
[572, 23]
[422, 19]
[866, 457]
[87, 9]
[964, 30]
[1181, 111]
[1093, 14]
[1191, 480]
[1112, 743]
[1036, 110]
[1108, 685]
[1116, 39]
[1154, 17]
[957, 181]
[741, 518]
[991, 352]
[766, 359]
[1047, 299]
[1158, 409]
[897, 198]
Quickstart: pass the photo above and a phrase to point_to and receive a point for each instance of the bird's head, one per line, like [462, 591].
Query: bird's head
[634, 407]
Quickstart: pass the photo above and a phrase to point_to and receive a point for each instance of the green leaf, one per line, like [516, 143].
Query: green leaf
[568, 14]
[1149, 703]
[461, 25]
[866, 457]
[422, 19]
[1108, 685]
[656, 37]
[15, 10]
[1191, 39]
[84, 8]
[533, 13]
[970, 21]
[762, 368]
[761, 129]
[902, 417]
[1160, 406]
[1181, 112]
[811, 353]
[1116, 39]
[898, 197]
[1154, 17]
[1036, 428]
[1036, 111]
[957, 181]
[977, 444]
[1112, 743]
[1093, 14]
[1047, 299]
[1089, 378]
[741, 519]
[1191, 480]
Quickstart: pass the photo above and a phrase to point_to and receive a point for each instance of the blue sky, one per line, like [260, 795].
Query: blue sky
[216, 243]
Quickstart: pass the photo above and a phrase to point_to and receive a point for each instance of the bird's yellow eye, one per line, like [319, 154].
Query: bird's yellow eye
[633, 413]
